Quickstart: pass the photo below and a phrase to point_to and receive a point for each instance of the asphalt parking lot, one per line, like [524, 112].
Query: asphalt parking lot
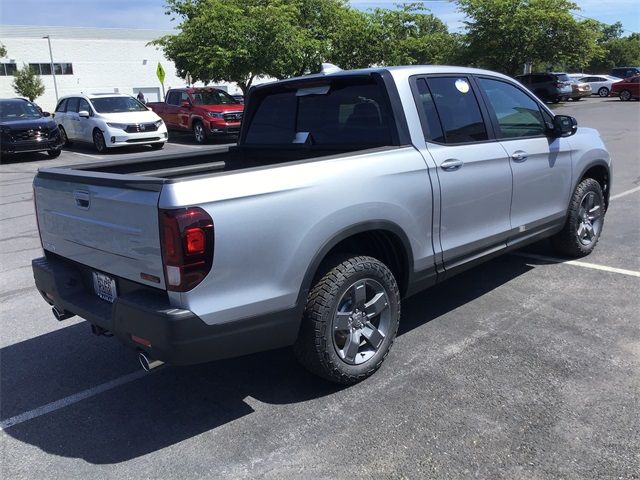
[526, 367]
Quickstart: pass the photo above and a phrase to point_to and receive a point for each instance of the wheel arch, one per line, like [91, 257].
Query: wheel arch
[600, 172]
[380, 239]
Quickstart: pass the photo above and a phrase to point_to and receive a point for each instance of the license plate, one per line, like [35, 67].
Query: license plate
[105, 287]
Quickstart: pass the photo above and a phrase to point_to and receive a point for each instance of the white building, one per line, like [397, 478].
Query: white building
[89, 60]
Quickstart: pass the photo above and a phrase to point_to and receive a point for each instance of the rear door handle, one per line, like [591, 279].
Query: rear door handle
[519, 156]
[451, 164]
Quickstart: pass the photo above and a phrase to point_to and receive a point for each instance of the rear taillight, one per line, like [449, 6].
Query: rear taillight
[186, 237]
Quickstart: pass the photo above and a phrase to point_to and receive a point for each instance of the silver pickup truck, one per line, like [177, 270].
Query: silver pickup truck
[345, 193]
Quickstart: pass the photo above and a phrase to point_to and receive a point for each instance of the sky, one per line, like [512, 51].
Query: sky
[149, 14]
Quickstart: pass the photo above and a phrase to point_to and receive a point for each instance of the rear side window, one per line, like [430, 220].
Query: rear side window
[72, 104]
[518, 115]
[344, 112]
[173, 98]
[458, 110]
[62, 106]
[431, 123]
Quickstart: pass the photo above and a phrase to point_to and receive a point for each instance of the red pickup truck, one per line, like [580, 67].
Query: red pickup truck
[207, 112]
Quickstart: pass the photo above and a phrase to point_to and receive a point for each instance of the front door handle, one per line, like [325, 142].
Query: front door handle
[519, 156]
[451, 164]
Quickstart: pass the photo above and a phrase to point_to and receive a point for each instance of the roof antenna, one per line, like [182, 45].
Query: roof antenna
[328, 68]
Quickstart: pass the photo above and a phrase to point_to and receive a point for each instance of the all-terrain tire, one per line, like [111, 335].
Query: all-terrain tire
[316, 347]
[581, 216]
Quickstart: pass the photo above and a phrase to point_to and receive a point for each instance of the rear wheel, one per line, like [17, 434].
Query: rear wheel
[556, 100]
[625, 95]
[603, 92]
[350, 321]
[99, 142]
[199, 132]
[584, 222]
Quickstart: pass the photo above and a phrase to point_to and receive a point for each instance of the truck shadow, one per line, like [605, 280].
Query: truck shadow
[175, 404]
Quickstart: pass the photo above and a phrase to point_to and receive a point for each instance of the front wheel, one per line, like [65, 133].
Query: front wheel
[585, 219]
[65, 139]
[99, 142]
[603, 92]
[625, 95]
[157, 146]
[556, 100]
[350, 321]
[199, 132]
[54, 153]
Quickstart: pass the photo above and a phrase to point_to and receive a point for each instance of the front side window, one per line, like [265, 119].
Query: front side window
[458, 109]
[184, 97]
[84, 105]
[213, 97]
[518, 114]
[117, 105]
[62, 105]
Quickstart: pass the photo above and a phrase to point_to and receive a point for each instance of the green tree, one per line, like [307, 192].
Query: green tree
[239, 40]
[505, 34]
[3, 50]
[409, 35]
[27, 83]
[616, 50]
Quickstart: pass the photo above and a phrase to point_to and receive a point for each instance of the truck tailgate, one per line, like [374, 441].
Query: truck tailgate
[113, 229]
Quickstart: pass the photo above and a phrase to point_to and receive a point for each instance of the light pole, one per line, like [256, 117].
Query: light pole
[53, 70]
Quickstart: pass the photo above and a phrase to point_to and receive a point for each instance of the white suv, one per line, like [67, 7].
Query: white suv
[109, 120]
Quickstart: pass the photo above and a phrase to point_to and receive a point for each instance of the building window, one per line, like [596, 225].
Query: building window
[7, 69]
[58, 68]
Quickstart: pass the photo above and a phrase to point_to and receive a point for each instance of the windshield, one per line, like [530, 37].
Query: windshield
[563, 77]
[117, 105]
[16, 110]
[213, 97]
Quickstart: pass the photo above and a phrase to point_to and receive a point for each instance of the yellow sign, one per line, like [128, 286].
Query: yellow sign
[160, 73]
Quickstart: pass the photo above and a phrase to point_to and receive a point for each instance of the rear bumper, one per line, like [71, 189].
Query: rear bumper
[176, 336]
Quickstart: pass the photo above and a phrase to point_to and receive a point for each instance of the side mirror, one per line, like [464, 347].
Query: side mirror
[46, 114]
[185, 104]
[83, 114]
[564, 126]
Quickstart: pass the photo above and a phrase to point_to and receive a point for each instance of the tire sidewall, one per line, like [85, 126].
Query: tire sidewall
[102, 149]
[337, 292]
[586, 186]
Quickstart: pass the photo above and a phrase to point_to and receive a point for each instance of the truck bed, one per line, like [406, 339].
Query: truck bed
[151, 173]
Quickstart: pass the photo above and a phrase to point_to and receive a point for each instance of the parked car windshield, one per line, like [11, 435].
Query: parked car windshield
[117, 105]
[10, 110]
[213, 97]
[563, 77]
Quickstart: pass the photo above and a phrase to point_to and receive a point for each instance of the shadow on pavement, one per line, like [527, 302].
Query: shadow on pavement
[175, 404]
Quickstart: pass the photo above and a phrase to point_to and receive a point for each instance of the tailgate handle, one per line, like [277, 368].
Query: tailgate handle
[82, 199]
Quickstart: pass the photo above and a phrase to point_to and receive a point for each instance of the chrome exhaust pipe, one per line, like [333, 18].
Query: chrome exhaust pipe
[61, 314]
[147, 363]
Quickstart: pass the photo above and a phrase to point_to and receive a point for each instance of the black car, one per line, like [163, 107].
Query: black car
[25, 128]
[624, 72]
[548, 87]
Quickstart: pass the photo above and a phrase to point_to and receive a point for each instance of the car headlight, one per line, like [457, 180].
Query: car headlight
[215, 114]
[159, 123]
[121, 126]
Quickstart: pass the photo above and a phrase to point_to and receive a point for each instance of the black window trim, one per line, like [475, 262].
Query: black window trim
[492, 115]
[488, 125]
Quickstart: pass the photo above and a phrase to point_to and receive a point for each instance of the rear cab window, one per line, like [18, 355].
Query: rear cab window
[342, 111]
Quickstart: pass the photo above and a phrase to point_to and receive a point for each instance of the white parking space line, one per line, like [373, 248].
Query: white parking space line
[625, 193]
[71, 399]
[185, 146]
[86, 155]
[577, 263]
